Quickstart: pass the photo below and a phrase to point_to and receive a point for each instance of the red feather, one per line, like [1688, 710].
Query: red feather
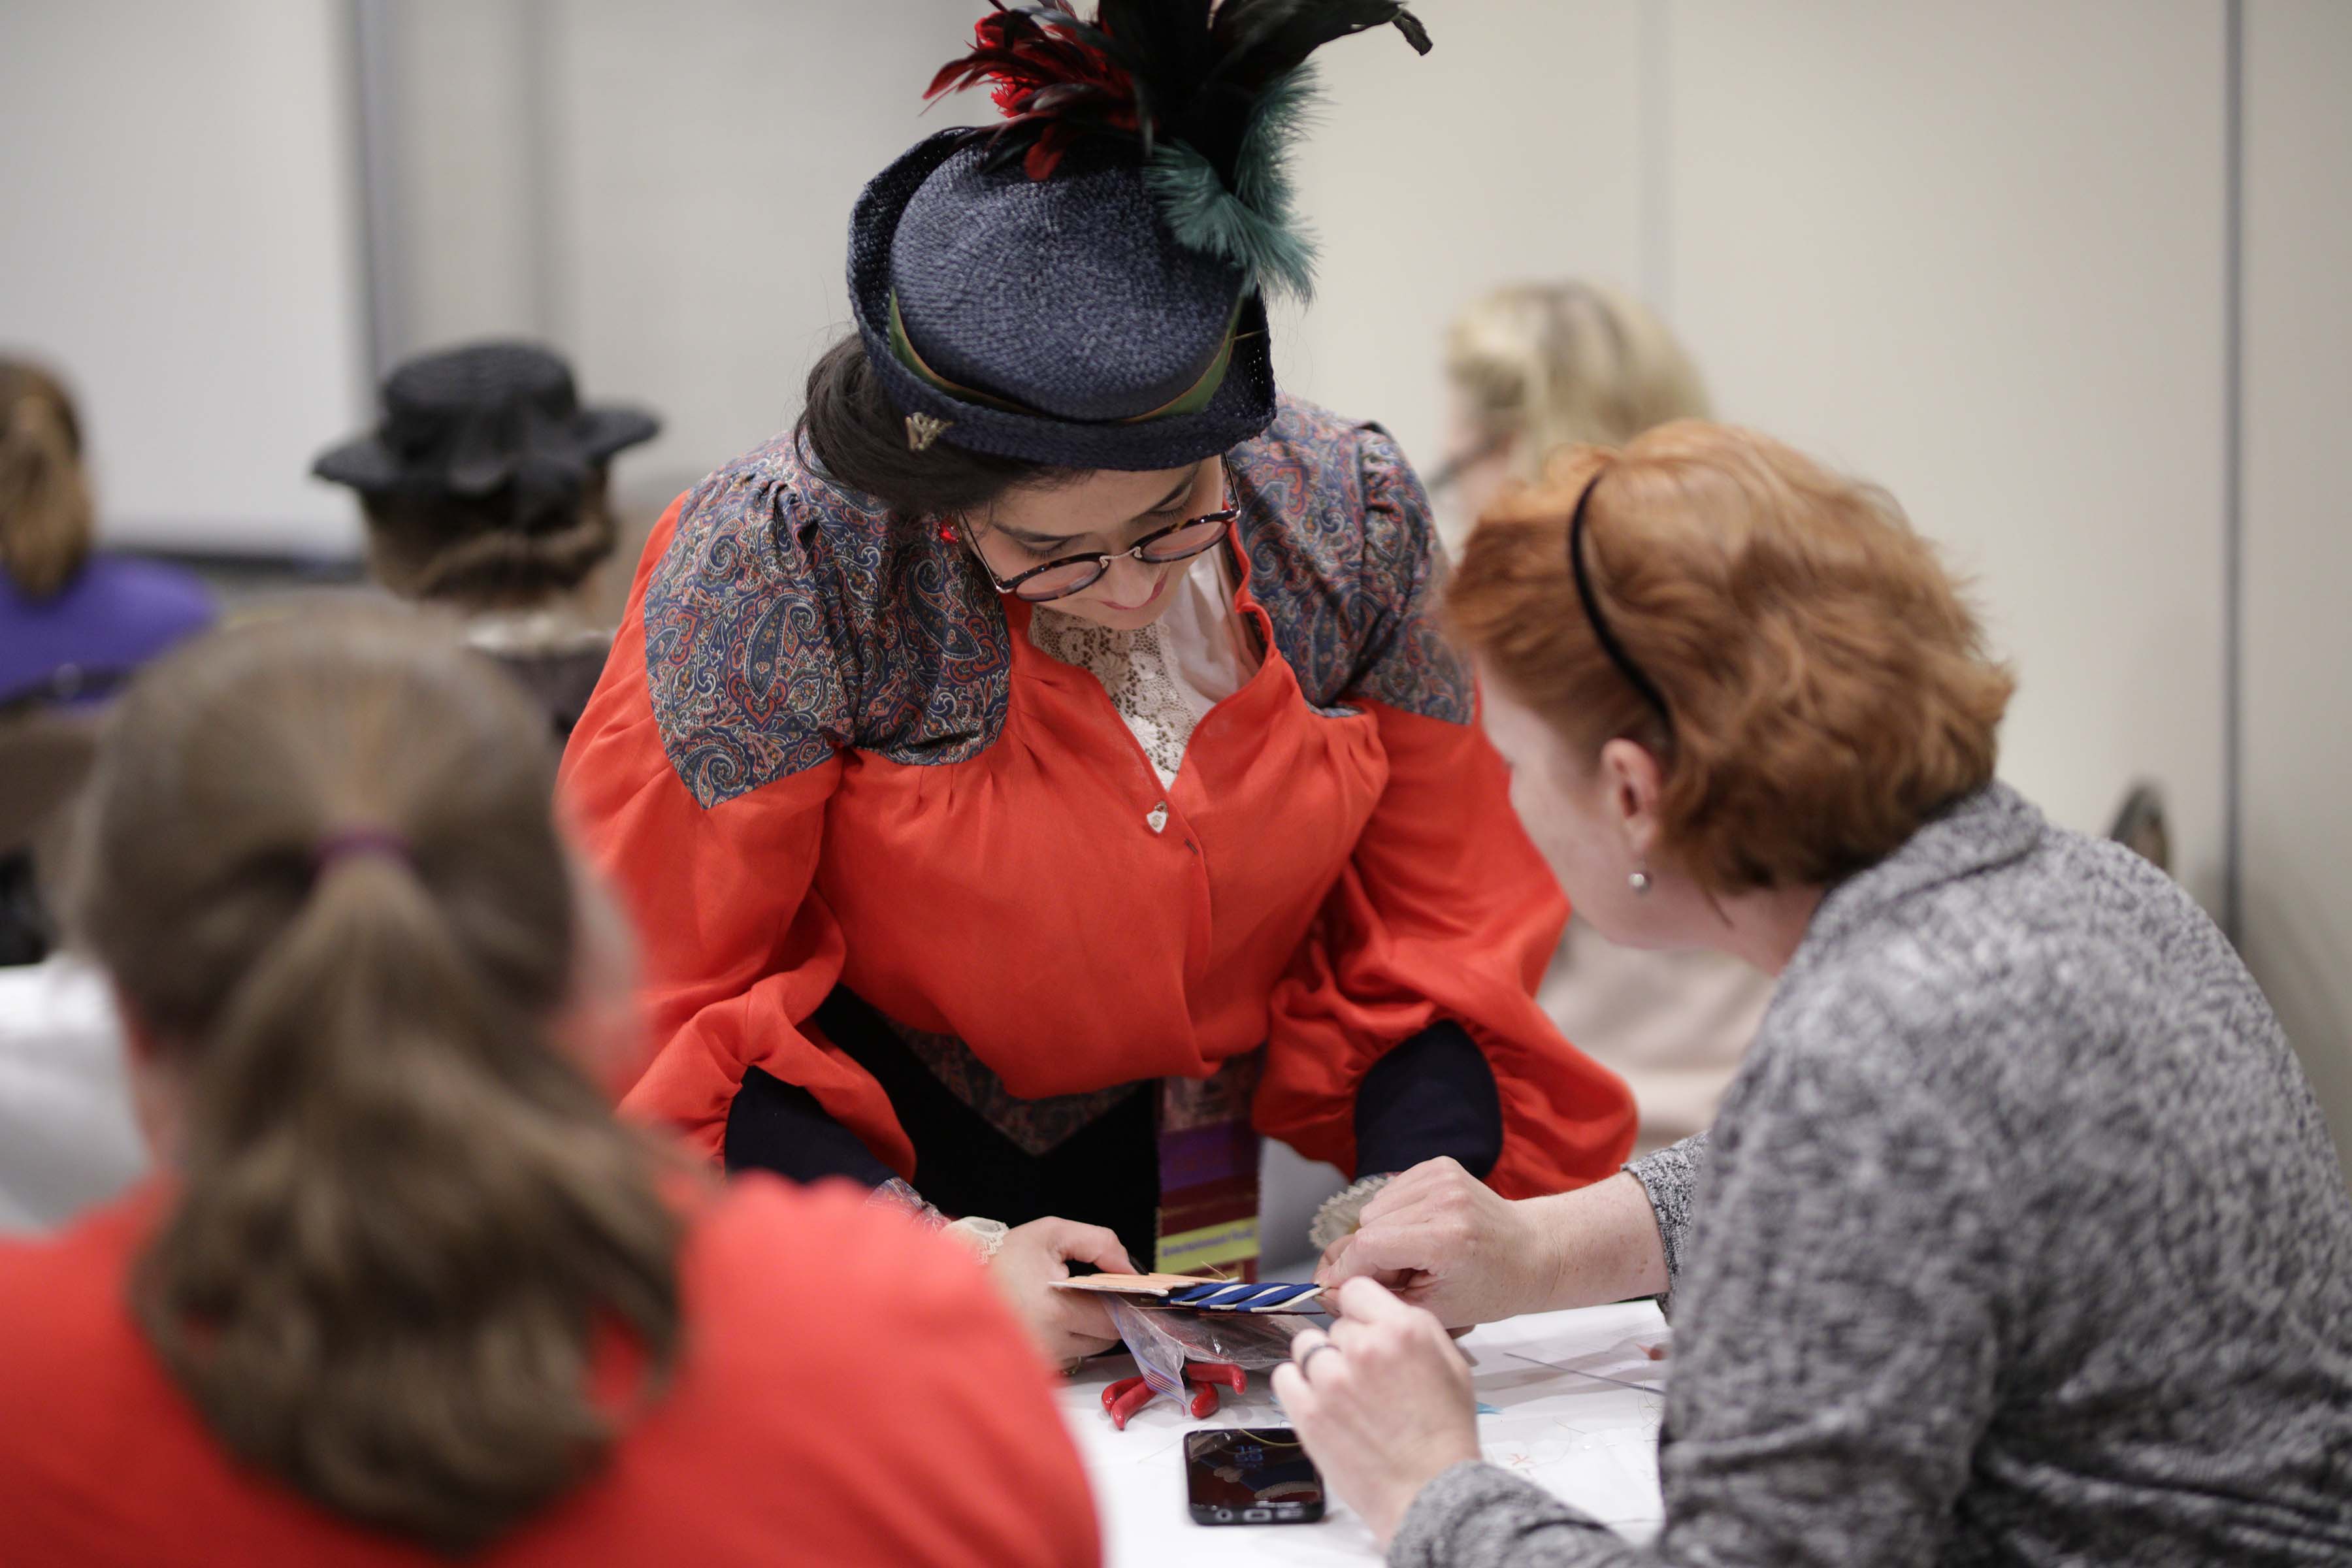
[1045, 78]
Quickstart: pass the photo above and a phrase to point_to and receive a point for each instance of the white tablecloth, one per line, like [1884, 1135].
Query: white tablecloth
[67, 1137]
[1575, 1408]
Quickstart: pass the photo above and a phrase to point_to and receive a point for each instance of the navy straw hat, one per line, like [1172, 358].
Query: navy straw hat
[473, 421]
[1084, 285]
[1038, 347]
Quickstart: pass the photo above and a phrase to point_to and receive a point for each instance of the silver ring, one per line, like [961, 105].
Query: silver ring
[1317, 1348]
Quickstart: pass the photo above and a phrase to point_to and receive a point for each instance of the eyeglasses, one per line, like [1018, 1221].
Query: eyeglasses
[1074, 573]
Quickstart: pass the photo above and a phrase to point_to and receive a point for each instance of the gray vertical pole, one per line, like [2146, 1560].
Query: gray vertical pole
[2233, 544]
[371, 24]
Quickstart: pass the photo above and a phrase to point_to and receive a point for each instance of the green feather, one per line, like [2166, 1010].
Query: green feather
[1251, 224]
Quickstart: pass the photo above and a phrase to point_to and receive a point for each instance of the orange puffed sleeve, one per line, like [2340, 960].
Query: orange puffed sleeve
[1445, 911]
[737, 950]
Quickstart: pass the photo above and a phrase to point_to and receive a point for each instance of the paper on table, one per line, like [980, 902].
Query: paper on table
[1590, 1437]
[1590, 1441]
[1637, 1362]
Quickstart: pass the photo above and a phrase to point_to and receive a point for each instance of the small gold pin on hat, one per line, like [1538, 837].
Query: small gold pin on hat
[922, 430]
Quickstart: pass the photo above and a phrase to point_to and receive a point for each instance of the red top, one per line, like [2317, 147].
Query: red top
[850, 1392]
[825, 751]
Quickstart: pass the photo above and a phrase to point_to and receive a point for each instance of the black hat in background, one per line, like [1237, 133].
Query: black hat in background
[473, 421]
[1084, 284]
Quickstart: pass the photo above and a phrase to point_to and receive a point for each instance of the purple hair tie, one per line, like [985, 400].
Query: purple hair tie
[346, 842]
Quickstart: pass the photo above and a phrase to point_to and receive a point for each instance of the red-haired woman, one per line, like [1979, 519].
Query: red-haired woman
[2018, 1237]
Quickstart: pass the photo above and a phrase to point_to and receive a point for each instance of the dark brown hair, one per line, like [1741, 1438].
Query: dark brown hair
[403, 1218]
[860, 436]
[45, 511]
[1829, 688]
[488, 553]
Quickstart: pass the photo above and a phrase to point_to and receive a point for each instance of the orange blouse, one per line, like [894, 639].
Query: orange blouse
[850, 1392]
[825, 752]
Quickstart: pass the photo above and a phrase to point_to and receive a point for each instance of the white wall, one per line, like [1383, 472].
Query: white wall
[1976, 253]
[182, 242]
[690, 168]
[1973, 252]
[2298, 531]
[462, 84]
[1511, 150]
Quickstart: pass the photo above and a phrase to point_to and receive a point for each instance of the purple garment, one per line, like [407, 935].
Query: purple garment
[116, 614]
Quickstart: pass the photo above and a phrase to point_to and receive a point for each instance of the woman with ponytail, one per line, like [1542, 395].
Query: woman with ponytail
[406, 1289]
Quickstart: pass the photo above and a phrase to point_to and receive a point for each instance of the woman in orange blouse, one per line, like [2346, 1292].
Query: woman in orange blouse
[1039, 772]
[407, 1289]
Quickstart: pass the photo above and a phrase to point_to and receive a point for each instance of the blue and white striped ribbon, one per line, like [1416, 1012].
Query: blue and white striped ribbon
[1244, 1298]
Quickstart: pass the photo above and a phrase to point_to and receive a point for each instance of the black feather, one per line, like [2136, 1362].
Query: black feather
[1261, 40]
[1219, 79]
[1166, 47]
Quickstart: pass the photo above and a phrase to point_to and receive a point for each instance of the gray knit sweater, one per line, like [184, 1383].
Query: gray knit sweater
[2020, 1240]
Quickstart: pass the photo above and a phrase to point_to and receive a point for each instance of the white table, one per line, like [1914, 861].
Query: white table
[1575, 1408]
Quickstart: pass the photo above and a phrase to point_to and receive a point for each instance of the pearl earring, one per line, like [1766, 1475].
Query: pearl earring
[1640, 882]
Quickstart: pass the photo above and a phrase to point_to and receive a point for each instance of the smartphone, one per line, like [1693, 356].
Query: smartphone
[1250, 1475]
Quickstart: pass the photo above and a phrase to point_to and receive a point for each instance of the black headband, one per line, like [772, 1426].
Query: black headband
[1591, 601]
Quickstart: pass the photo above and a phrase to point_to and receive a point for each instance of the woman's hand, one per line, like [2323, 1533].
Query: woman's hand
[1383, 1404]
[1066, 1325]
[1441, 1239]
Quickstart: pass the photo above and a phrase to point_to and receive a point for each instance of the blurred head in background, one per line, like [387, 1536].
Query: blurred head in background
[45, 511]
[74, 624]
[1534, 367]
[319, 863]
[484, 485]
[486, 490]
[45, 536]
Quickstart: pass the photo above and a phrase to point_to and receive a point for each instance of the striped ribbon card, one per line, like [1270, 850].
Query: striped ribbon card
[1201, 1295]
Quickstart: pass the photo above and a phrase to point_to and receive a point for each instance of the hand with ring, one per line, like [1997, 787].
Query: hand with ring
[1382, 1402]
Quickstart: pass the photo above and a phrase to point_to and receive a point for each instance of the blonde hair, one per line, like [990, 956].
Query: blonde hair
[403, 1220]
[45, 510]
[1548, 365]
[1828, 687]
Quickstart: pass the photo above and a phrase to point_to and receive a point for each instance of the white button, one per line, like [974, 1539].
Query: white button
[1157, 817]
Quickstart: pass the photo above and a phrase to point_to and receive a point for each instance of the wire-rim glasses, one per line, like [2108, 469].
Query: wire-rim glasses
[1069, 574]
